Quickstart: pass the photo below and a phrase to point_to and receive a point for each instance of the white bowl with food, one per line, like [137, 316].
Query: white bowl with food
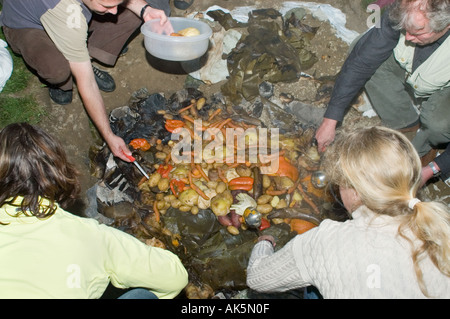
[188, 39]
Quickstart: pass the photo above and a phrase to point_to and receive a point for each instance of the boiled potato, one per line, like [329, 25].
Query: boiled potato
[176, 203]
[163, 184]
[189, 197]
[189, 32]
[194, 210]
[243, 170]
[233, 230]
[264, 199]
[185, 208]
[221, 187]
[221, 203]
[154, 179]
[264, 208]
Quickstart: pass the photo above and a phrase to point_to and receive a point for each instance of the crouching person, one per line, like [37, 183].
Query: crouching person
[395, 246]
[50, 253]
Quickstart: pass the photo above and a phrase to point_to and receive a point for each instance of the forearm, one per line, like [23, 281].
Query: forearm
[92, 99]
[131, 263]
[135, 5]
[95, 107]
[146, 13]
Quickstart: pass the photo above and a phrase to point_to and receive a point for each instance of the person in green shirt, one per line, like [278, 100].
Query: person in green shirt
[47, 252]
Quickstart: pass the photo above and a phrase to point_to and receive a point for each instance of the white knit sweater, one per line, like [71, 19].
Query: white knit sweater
[360, 258]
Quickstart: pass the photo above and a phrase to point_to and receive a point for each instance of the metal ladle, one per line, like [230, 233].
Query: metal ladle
[252, 218]
[319, 179]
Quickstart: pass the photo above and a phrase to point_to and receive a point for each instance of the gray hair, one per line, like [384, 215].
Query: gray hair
[437, 11]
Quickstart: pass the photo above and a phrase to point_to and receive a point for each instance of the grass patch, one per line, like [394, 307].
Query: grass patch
[20, 76]
[16, 105]
[365, 3]
[19, 109]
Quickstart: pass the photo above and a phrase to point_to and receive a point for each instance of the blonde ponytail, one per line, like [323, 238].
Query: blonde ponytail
[430, 223]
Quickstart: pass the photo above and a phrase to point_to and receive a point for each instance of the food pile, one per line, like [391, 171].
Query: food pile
[209, 210]
[234, 188]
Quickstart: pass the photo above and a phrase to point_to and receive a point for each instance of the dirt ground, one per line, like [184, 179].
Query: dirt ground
[137, 69]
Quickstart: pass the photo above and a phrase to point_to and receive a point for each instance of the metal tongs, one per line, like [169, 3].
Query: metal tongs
[133, 160]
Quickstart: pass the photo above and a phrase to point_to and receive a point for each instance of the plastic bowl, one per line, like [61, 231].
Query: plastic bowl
[172, 48]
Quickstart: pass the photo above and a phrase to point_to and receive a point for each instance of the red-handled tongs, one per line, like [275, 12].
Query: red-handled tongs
[133, 160]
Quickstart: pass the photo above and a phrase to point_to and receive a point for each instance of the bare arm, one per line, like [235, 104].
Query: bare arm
[95, 107]
[149, 13]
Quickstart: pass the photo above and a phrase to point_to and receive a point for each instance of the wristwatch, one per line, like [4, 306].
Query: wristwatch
[434, 169]
[143, 10]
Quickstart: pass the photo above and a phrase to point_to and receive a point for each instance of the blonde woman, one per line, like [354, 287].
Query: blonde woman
[395, 246]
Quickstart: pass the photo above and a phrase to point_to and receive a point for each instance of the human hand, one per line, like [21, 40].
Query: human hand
[152, 13]
[325, 134]
[269, 238]
[426, 174]
[163, 28]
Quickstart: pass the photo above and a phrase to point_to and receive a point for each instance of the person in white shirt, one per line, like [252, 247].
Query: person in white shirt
[394, 246]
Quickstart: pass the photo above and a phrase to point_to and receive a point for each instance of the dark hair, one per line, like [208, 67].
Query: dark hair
[34, 165]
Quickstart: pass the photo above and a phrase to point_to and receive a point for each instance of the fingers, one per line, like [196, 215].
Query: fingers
[325, 134]
[119, 148]
[268, 238]
[124, 154]
[321, 147]
[163, 20]
[168, 28]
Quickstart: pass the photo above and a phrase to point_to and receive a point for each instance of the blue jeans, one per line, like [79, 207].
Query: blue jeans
[138, 293]
[311, 292]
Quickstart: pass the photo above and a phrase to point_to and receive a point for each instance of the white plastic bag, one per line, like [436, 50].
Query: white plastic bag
[6, 64]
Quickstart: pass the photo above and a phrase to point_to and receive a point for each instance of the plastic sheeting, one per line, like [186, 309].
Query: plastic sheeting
[6, 64]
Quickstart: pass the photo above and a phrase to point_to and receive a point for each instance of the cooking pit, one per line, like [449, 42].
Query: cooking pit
[223, 168]
[203, 189]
